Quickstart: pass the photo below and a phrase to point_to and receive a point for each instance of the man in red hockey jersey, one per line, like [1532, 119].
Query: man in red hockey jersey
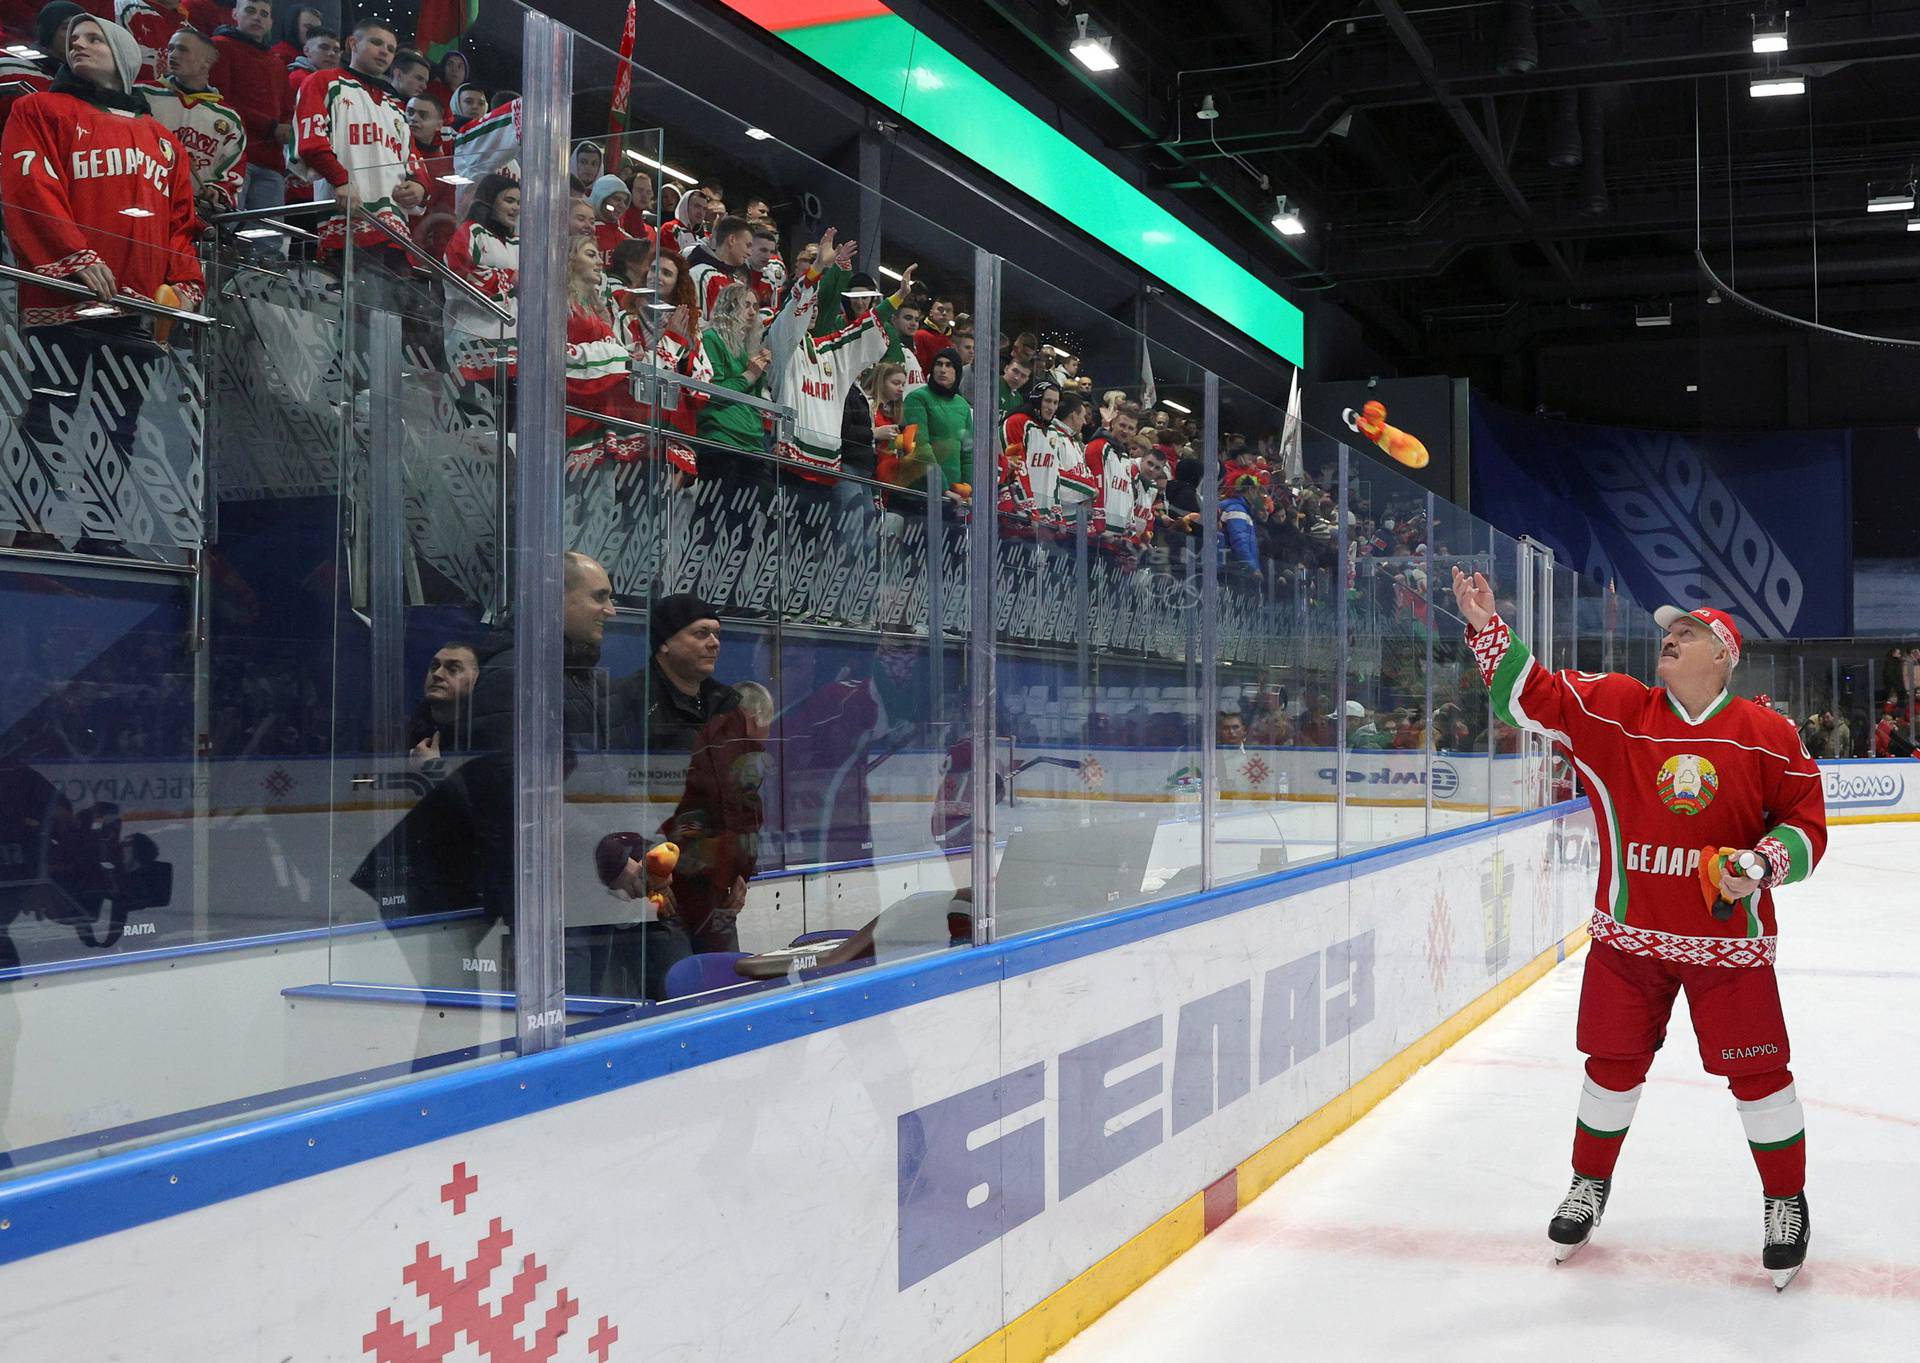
[98, 192]
[1678, 774]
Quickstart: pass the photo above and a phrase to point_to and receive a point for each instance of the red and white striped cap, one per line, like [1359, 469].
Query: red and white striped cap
[1719, 622]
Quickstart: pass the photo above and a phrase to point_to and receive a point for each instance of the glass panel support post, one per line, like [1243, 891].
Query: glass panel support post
[1209, 623]
[539, 586]
[982, 546]
[1342, 647]
[1431, 744]
[387, 532]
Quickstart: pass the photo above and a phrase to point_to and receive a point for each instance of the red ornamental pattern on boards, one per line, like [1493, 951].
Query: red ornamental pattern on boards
[500, 1335]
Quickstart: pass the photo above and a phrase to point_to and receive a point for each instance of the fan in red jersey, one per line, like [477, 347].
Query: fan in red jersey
[98, 192]
[1678, 774]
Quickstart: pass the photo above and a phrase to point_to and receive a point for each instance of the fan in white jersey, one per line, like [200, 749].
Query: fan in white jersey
[214, 137]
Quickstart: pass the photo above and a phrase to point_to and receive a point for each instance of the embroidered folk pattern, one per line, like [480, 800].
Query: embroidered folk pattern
[1490, 646]
[1779, 860]
[459, 1299]
[1743, 953]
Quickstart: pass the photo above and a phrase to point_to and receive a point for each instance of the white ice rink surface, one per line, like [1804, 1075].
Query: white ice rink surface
[1420, 1234]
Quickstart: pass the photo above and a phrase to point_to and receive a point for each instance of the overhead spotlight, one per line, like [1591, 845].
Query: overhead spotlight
[1173, 406]
[1653, 314]
[1763, 87]
[1286, 219]
[1913, 223]
[1092, 49]
[1770, 32]
[1713, 297]
[1890, 197]
[1208, 111]
[759, 134]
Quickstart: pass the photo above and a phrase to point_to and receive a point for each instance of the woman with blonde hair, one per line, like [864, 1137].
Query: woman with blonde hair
[734, 346]
[598, 369]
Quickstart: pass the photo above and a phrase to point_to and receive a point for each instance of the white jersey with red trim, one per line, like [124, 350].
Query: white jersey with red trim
[1124, 498]
[351, 129]
[1665, 785]
[215, 139]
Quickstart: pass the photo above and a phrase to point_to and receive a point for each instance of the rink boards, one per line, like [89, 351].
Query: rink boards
[980, 1148]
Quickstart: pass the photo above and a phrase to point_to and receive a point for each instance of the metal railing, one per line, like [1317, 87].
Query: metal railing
[129, 301]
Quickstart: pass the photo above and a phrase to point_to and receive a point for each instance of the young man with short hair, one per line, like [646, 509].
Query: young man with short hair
[253, 82]
[188, 106]
[713, 266]
[354, 134]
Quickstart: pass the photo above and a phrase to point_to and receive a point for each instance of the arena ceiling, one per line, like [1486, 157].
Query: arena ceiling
[1479, 176]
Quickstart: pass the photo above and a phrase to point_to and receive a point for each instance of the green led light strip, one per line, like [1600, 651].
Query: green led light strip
[892, 62]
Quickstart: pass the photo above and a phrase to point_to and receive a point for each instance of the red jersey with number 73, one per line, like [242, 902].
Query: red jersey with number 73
[1664, 785]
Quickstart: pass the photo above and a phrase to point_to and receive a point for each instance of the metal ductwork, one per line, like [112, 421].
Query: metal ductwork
[1563, 148]
[1520, 41]
[1593, 138]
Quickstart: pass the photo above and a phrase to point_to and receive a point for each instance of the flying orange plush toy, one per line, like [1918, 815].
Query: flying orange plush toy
[1371, 421]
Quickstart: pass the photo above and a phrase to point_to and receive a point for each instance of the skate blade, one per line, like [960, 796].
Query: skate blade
[1562, 1253]
[1783, 1276]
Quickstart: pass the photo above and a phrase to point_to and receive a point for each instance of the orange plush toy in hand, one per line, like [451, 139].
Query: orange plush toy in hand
[632, 870]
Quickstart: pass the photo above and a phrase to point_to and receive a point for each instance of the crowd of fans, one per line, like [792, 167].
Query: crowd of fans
[174, 112]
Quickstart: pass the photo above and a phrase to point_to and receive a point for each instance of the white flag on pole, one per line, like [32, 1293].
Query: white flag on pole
[1149, 394]
[1292, 458]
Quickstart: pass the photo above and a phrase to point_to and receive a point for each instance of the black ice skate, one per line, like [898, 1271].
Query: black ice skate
[1573, 1225]
[1788, 1230]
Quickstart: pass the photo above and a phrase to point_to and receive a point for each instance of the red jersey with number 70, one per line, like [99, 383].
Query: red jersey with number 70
[1664, 785]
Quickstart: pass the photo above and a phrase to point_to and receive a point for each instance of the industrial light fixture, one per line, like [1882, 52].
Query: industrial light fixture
[1091, 49]
[1653, 314]
[1913, 223]
[456, 179]
[25, 53]
[97, 310]
[665, 169]
[1208, 110]
[759, 134]
[1286, 219]
[1890, 196]
[861, 293]
[1173, 406]
[1773, 83]
[257, 233]
[1770, 32]
[1713, 296]
[1693, 388]
[892, 274]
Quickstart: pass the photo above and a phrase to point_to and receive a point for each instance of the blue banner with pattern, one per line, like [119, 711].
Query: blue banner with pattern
[1758, 525]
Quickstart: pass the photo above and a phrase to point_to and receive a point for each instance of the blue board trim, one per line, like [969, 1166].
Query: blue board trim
[47, 1211]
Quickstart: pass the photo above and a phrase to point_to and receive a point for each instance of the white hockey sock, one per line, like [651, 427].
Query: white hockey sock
[1774, 1120]
[1607, 1112]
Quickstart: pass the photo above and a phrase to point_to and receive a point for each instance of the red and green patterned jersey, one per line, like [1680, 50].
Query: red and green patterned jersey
[1664, 785]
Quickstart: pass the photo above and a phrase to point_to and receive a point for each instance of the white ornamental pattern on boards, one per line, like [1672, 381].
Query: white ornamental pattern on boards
[84, 476]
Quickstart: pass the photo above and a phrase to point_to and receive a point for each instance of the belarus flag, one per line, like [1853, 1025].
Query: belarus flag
[442, 24]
